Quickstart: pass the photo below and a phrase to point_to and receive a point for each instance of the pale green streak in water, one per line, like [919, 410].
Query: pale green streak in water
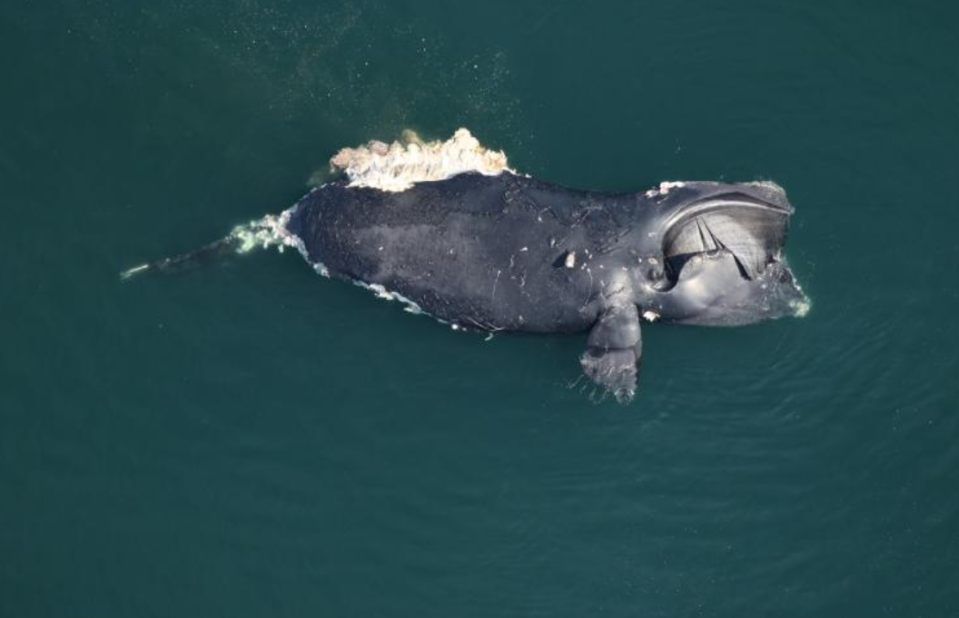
[254, 440]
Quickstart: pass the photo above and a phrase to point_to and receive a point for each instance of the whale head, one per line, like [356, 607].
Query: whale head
[722, 257]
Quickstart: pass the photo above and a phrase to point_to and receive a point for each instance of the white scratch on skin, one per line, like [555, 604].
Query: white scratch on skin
[495, 283]
[589, 294]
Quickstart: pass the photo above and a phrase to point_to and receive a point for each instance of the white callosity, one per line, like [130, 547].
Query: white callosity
[398, 166]
[664, 188]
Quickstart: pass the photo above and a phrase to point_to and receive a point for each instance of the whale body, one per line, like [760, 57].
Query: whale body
[481, 247]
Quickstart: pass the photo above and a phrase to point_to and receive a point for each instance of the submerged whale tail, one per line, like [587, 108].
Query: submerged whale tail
[184, 261]
[270, 231]
[391, 168]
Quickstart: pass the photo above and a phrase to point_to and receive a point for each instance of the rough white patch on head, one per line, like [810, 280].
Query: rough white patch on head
[398, 166]
[766, 184]
[570, 259]
[665, 188]
[650, 316]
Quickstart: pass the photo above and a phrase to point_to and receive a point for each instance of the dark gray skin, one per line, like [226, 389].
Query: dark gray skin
[509, 253]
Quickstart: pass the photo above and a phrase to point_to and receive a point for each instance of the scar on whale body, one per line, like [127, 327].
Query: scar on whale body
[450, 230]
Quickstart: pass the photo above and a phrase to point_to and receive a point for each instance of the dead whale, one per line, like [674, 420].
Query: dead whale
[450, 230]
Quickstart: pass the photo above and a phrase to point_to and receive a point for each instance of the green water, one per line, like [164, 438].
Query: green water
[249, 439]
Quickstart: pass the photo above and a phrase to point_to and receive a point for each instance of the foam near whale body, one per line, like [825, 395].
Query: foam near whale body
[398, 166]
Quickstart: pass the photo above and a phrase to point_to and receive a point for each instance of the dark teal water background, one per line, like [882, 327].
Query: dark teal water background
[252, 440]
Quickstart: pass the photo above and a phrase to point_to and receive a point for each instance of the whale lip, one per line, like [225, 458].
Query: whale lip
[732, 200]
[711, 293]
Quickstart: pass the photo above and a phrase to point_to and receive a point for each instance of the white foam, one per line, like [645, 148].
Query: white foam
[398, 166]
[801, 307]
[410, 306]
[271, 231]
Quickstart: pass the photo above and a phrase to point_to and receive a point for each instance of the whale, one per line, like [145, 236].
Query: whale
[481, 247]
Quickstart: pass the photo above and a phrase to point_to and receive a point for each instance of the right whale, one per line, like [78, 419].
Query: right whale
[481, 247]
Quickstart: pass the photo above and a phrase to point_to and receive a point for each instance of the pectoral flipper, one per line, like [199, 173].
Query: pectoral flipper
[614, 350]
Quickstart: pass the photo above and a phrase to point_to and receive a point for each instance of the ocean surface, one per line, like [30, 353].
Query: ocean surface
[250, 439]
